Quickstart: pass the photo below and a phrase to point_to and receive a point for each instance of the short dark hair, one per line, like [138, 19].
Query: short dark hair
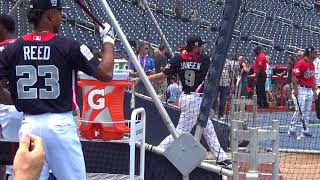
[34, 16]
[162, 47]
[8, 22]
[257, 50]
[291, 57]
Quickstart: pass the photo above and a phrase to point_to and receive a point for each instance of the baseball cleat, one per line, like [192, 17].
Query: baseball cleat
[227, 164]
[299, 138]
[306, 134]
[292, 133]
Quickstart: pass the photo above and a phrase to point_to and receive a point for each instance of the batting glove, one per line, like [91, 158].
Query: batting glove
[107, 34]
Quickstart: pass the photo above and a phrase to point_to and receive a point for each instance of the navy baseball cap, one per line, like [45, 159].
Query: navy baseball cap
[310, 49]
[46, 4]
[195, 41]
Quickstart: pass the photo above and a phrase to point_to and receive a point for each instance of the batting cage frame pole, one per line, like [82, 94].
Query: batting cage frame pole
[155, 22]
[15, 7]
[160, 107]
[166, 118]
[223, 42]
[203, 165]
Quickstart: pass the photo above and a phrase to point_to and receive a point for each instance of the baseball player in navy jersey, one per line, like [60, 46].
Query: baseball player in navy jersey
[10, 118]
[192, 67]
[39, 67]
[304, 91]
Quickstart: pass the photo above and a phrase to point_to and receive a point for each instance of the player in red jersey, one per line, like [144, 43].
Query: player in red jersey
[260, 68]
[304, 91]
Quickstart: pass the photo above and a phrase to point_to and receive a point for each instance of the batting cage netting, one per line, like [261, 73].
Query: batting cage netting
[255, 88]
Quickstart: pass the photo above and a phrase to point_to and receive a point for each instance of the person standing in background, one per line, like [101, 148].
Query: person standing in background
[317, 76]
[147, 64]
[304, 92]
[177, 10]
[243, 68]
[224, 88]
[160, 61]
[173, 91]
[268, 84]
[288, 87]
[10, 118]
[260, 68]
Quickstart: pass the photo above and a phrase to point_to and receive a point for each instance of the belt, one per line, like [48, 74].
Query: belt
[305, 86]
[195, 93]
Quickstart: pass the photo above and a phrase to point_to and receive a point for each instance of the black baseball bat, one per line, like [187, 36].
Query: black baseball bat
[89, 13]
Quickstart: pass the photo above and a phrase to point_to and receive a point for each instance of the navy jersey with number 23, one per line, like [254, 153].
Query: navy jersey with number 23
[40, 70]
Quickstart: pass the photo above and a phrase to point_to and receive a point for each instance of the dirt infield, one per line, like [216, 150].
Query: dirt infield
[292, 166]
[300, 166]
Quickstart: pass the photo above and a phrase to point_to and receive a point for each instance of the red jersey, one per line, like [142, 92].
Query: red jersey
[304, 71]
[261, 60]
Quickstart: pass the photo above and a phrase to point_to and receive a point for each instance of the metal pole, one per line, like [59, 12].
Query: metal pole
[223, 42]
[185, 178]
[254, 115]
[234, 149]
[252, 173]
[163, 38]
[139, 69]
[203, 165]
[275, 150]
[15, 7]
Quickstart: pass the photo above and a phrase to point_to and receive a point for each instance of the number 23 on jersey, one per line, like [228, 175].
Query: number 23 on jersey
[24, 84]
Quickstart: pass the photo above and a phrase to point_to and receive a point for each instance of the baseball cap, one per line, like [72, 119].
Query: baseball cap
[194, 41]
[46, 4]
[310, 49]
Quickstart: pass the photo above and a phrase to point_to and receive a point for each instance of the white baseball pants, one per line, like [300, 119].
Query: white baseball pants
[10, 121]
[190, 108]
[305, 98]
[61, 142]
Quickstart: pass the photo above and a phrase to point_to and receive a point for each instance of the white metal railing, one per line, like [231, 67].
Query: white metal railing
[137, 134]
[252, 157]
[137, 125]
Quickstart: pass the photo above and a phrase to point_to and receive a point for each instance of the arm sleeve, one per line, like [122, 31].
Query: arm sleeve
[83, 59]
[4, 66]
[296, 71]
[256, 65]
[264, 63]
[131, 66]
[173, 67]
[207, 64]
[152, 68]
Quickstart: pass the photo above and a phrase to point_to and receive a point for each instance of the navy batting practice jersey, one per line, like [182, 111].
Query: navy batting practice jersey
[192, 70]
[3, 44]
[40, 67]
